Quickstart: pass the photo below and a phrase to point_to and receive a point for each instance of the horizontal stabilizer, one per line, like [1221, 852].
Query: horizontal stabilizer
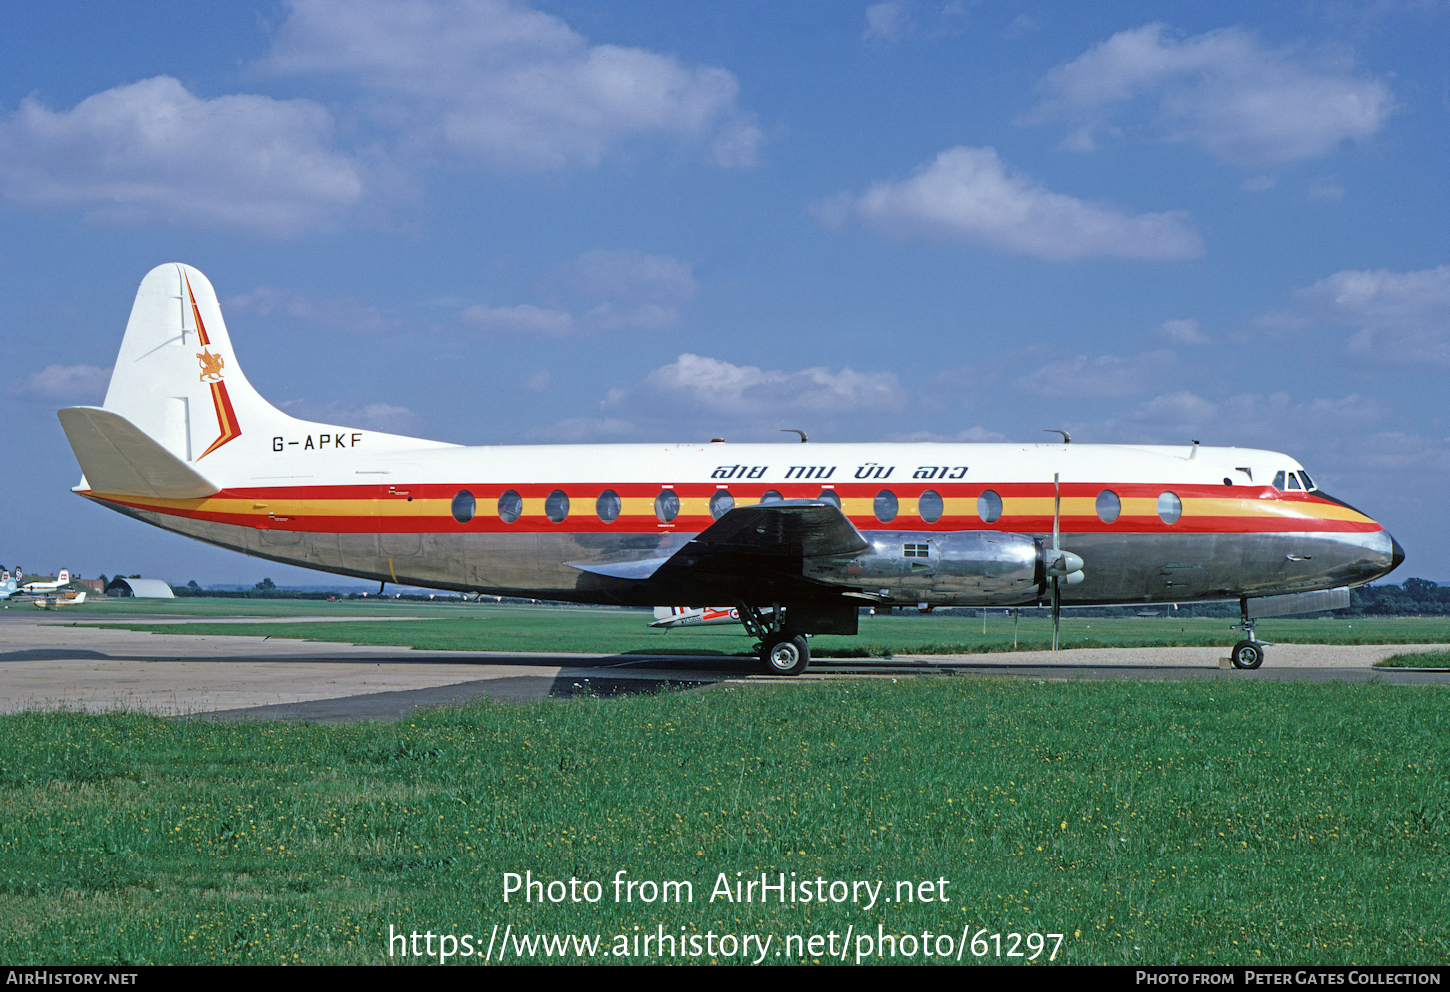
[118, 458]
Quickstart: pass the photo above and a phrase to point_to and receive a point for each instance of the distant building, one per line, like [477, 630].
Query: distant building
[140, 588]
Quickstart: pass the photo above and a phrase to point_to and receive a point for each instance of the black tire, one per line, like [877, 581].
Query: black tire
[1248, 654]
[785, 655]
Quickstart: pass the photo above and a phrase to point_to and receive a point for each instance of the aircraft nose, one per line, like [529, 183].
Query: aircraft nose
[1397, 553]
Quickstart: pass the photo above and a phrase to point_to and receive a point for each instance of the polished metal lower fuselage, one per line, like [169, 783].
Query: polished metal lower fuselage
[961, 568]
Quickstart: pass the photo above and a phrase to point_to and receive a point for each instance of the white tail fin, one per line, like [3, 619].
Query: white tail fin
[64, 577]
[176, 378]
[179, 411]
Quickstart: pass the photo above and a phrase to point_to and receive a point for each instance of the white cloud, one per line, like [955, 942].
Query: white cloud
[152, 151]
[709, 385]
[1183, 332]
[341, 313]
[496, 81]
[68, 383]
[1092, 378]
[698, 396]
[626, 275]
[624, 289]
[1396, 317]
[887, 21]
[1224, 90]
[969, 194]
[523, 319]
[1252, 418]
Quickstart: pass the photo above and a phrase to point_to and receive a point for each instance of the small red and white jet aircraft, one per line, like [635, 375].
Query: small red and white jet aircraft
[814, 532]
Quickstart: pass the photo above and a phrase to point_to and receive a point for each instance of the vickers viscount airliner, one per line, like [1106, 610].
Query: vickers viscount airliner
[798, 537]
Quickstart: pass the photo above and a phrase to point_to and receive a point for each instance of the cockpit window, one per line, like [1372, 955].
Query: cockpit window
[1308, 482]
[1293, 480]
[1279, 480]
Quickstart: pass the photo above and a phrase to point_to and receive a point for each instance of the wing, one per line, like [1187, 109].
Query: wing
[747, 542]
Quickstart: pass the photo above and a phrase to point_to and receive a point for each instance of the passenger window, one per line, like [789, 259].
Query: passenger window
[510, 506]
[721, 503]
[667, 506]
[608, 506]
[929, 505]
[771, 496]
[829, 496]
[1279, 480]
[1170, 507]
[989, 507]
[1109, 506]
[556, 507]
[464, 506]
[885, 506]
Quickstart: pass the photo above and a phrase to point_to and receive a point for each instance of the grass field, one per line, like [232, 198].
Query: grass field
[1148, 822]
[492, 627]
[1417, 659]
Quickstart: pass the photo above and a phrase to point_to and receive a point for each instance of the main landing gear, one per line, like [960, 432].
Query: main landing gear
[1247, 654]
[780, 653]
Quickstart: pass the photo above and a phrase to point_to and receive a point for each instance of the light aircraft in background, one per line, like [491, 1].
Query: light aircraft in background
[812, 532]
[50, 601]
[46, 595]
[670, 617]
[47, 585]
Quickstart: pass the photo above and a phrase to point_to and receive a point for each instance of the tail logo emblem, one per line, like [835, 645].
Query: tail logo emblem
[211, 373]
[211, 366]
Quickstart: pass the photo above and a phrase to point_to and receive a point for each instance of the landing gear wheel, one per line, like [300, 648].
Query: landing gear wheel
[785, 655]
[1248, 654]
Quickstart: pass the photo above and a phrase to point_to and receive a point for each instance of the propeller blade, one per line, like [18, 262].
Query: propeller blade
[1056, 610]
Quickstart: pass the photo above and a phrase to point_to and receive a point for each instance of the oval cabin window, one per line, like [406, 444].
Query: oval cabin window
[1109, 506]
[667, 506]
[1170, 507]
[510, 507]
[989, 507]
[930, 506]
[885, 506]
[721, 503]
[607, 506]
[464, 506]
[556, 507]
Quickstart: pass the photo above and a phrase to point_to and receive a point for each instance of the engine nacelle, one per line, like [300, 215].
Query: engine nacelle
[962, 568]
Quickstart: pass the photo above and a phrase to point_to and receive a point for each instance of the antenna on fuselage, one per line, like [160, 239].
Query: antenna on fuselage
[792, 430]
[1066, 437]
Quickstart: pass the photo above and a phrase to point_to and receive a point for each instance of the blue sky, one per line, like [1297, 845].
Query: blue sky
[492, 222]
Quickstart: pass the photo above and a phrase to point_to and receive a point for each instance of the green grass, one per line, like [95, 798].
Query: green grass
[1417, 659]
[1189, 822]
[541, 628]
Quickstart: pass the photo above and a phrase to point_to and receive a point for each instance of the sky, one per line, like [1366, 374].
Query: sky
[491, 222]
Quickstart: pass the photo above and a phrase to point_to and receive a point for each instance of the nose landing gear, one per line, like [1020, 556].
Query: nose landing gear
[1247, 654]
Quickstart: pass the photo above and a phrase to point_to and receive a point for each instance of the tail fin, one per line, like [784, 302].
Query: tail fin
[64, 577]
[179, 405]
[176, 378]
